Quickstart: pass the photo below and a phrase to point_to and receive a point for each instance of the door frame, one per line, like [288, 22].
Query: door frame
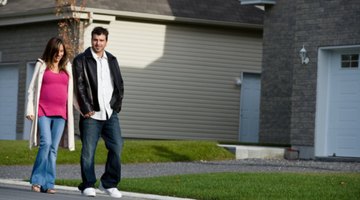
[30, 67]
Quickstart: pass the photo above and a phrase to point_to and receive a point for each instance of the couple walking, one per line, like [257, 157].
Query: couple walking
[94, 85]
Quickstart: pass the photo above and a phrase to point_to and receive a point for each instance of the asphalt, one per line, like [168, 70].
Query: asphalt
[13, 176]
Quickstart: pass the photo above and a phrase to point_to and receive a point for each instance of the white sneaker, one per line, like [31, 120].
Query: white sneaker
[113, 192]
[89, 192]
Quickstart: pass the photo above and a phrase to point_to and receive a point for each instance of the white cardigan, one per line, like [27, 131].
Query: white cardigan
[68, 139]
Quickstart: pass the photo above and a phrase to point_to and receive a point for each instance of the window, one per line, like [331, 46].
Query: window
[349, 60]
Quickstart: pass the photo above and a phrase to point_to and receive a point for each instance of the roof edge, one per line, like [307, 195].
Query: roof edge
[147, 16]
[38, 15]
[48, 14]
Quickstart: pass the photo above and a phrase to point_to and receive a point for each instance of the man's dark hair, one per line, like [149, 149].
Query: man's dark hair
[99, 31]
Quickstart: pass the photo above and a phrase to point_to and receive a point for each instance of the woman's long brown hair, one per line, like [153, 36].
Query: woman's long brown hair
[51, 49]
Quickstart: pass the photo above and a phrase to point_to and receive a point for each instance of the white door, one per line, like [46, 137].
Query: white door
[249, 108]
[344, 105]
[8, 101]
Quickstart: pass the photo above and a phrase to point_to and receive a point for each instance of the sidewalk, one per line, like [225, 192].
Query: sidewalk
[66, 189]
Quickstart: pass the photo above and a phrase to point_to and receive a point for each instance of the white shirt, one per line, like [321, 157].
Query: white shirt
[105, 87]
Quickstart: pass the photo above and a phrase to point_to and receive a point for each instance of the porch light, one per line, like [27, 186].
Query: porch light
[304, 59]
[3, 2]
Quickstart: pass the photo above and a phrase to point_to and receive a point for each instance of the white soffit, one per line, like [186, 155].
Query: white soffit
[247, 2]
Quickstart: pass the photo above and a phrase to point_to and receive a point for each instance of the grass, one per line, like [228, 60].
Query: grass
[134, 151]
[252, 186]
[211, 186]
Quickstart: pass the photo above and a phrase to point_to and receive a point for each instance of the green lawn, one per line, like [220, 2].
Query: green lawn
[134, 151]
[249, 186]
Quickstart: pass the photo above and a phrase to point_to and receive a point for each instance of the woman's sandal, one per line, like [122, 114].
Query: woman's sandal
[50, 191]
[36, 188]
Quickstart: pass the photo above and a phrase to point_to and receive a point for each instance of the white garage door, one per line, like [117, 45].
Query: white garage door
[8, 102]
[344, 106]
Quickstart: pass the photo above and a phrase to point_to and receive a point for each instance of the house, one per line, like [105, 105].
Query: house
[312, 103]
[186, 64]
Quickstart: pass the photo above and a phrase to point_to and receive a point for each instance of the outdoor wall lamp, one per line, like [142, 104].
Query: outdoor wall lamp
[304, 59]
[3, 2]
[237, 82]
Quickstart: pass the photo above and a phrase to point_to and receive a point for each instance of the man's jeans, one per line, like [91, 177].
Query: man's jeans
[44, 170]
[90, 132]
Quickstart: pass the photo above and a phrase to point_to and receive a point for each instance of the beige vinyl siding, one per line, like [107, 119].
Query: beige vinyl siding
[179, 80]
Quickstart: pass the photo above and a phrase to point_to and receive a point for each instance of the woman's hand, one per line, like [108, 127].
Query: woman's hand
[30, 117]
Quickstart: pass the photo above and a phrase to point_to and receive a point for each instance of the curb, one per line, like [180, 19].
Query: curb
[75, 189]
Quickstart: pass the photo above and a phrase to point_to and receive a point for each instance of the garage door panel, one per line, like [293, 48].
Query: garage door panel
[347, 116]
[8, 99]
[347, 145]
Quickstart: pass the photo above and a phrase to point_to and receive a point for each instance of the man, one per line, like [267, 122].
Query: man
[99, 90]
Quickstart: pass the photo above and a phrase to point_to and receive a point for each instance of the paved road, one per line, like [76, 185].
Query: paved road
[15, 192]
[21, 190]
[173, 168]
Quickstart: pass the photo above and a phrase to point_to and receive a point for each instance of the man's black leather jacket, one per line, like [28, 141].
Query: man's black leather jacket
[85, 82]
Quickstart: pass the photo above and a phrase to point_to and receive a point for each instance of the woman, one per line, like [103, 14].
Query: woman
[49, 107]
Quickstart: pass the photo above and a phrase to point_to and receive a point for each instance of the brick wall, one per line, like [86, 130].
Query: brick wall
[288, 103]
[276, 77]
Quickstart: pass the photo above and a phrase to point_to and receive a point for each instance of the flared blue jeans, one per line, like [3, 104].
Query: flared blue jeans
[44, 170]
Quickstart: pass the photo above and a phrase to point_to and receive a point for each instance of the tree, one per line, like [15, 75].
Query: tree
[70, 23]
